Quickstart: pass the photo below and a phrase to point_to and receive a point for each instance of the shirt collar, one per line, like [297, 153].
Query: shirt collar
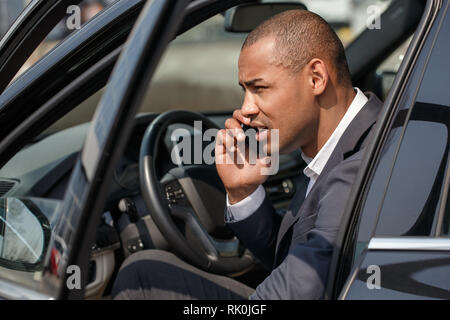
[315, 166]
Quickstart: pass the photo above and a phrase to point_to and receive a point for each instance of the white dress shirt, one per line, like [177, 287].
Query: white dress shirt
[246, 207]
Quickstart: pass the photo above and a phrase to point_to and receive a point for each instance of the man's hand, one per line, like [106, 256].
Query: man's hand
[240, 176]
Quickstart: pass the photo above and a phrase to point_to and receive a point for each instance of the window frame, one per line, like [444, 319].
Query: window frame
[414, 114]
[411, 116]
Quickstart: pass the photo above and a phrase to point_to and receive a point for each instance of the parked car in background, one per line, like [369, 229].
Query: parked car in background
[72, 194]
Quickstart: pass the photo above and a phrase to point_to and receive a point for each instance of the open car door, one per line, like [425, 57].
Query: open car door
[86, 192]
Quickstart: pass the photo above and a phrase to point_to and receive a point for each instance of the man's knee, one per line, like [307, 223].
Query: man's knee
[139, 272]
[147, 257]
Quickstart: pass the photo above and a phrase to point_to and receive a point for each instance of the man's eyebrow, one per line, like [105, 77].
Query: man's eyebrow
[251, 82]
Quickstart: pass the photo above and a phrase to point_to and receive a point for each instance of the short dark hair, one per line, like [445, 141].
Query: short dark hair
[301, 36]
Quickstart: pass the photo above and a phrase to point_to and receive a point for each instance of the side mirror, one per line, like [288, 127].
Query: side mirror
[246, 17]
[24, 233]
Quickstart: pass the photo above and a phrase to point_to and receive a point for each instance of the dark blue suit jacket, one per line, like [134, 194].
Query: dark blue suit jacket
[299, 245]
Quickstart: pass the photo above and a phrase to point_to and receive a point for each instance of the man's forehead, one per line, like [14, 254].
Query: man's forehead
[263, 49]
[256, 59]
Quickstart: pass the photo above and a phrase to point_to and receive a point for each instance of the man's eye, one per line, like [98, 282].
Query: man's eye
[260, 88]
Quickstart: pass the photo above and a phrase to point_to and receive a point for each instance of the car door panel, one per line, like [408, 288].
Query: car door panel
[403, 275]
[407, 244]
[393, 114]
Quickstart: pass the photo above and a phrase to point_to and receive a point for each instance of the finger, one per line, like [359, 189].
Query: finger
[219, 149]
[234, 129]
[237, 114]
[224, 142]
[232, 123]
[221, 153]
[220, 138]
[241, 152]
[264, 162]
[229, 141]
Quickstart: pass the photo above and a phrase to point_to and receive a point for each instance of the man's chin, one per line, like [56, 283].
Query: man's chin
[269, 150]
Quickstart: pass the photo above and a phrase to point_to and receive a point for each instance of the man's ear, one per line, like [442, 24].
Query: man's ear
[318, 76]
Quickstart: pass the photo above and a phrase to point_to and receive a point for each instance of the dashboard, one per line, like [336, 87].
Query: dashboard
[42, 169]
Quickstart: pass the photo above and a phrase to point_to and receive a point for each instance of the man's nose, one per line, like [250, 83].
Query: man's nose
[249, 108]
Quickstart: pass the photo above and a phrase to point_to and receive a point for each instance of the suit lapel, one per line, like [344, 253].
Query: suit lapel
[301, 187]
[350, 140]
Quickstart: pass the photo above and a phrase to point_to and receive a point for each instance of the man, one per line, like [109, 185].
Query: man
[296, 80]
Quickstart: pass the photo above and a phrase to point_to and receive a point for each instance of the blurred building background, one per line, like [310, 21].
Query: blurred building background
[199, 69]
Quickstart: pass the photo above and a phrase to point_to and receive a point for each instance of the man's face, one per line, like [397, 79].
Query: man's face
[275, 97]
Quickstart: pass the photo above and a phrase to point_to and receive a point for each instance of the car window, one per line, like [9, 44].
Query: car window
[199, 70]
[412, 196]
[387, 70]
[208, 82]
[407, 189]
[415, 190]
[9, 11]
[82, 113]
[76, 16]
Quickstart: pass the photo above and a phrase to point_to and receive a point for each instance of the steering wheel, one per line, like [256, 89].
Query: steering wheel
[188, 203]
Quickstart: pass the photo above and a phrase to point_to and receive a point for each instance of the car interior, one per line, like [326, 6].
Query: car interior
[63, 90]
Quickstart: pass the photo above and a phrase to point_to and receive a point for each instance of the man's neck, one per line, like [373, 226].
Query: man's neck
[332, 109]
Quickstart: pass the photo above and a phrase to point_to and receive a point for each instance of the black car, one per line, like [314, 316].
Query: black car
[77, 201]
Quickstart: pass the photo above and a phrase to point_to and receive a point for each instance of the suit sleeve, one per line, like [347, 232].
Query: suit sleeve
[258, 232]
[303, 273]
